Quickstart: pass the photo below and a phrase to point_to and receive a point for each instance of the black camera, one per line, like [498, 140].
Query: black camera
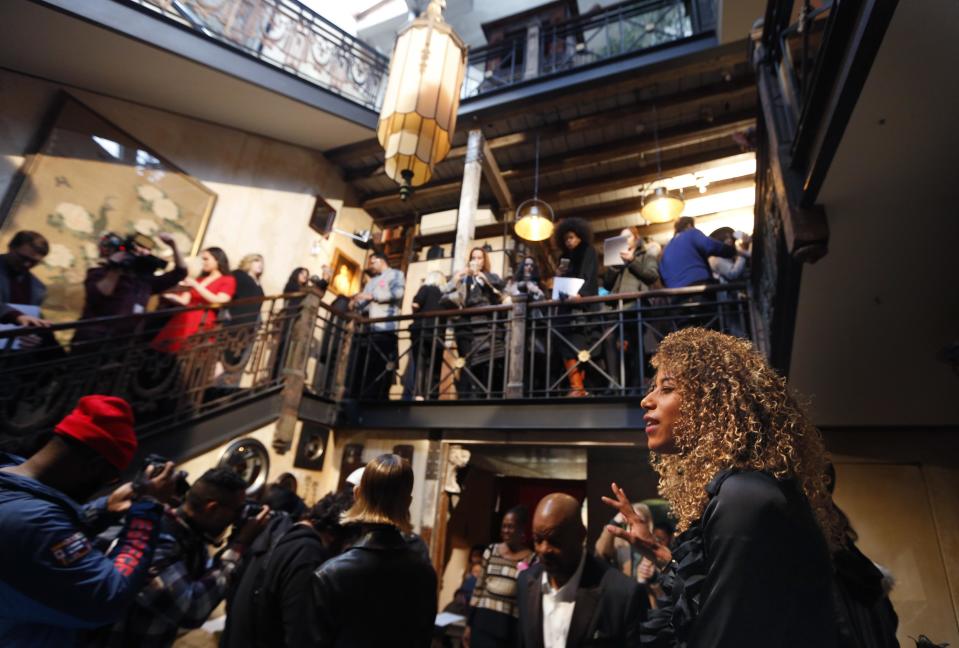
[250, 510]
[141, 264]
[157, 462]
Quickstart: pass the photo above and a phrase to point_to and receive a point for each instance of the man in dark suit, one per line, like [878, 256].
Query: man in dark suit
[571, 599]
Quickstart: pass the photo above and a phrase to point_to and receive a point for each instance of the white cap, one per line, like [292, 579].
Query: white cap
[356, 476]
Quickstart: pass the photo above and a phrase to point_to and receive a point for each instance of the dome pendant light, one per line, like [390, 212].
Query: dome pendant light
[660, 205]
[534, 217]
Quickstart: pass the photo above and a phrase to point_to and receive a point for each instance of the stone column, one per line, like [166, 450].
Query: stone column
[469, 198]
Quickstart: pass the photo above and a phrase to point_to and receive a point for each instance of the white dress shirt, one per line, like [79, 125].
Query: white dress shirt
[558, 607]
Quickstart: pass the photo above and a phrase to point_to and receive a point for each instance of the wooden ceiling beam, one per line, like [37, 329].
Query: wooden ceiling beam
[682, 100]
[645, 144]
[495, 179]
[622, 179]
[611, 182]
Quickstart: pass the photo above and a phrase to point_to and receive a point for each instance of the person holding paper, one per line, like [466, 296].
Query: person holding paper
[574, 237]
[17, 284]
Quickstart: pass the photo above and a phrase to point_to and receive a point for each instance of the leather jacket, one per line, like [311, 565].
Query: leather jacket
[379, 592]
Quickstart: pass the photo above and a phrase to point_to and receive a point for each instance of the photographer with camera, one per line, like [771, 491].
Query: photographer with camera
[53, 582]
[186, 587]
[123, 283]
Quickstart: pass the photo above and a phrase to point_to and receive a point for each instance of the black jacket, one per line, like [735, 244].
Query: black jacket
[609, 608]
[380, 592]
[753, 572]
[271, 601]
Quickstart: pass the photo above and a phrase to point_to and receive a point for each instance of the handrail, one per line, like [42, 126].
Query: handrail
[498, 308]
[288, 35]
[155, 314]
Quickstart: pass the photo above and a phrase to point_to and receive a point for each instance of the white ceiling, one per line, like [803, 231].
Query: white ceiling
[57, 47]
[875, 311]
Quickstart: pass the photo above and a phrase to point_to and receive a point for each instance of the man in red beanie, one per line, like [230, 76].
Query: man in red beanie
[53, 582]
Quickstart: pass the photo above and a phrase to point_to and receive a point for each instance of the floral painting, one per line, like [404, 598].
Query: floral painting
[89, 178]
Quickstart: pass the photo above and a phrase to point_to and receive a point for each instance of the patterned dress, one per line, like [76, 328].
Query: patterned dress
[493, 610]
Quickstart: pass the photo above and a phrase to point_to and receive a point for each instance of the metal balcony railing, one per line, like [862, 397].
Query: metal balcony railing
[508, 352]
[621, 29]
[521, 350]
[290, 36]
[43, 372]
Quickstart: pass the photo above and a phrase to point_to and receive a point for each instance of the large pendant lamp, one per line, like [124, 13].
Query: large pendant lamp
[660, 205]
[418, 117]
[534, 217]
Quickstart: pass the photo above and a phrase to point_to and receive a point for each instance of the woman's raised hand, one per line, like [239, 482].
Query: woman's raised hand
[637, 531]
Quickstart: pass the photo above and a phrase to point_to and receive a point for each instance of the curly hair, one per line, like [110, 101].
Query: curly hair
[736, 412]
[581, 227]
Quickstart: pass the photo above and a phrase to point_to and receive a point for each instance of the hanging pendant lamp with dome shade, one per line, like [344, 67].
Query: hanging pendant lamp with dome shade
[422, 96]
[660, 205]
[534, 217]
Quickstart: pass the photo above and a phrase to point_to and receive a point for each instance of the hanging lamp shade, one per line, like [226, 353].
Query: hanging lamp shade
[661, 206]
[418, 117]
[534, 220]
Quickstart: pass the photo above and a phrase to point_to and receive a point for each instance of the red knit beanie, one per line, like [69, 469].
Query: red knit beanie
[103, 424]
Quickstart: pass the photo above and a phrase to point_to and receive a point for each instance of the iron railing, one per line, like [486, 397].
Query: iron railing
[290, 36]
[513, 351]
[43, 372]
[529, 350]
[604, 34]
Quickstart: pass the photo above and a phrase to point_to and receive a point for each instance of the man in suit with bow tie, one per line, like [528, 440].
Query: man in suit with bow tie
[571, 599]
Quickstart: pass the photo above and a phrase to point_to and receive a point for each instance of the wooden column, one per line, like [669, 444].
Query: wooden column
[294, 371]
[469, 198]
[517, 347]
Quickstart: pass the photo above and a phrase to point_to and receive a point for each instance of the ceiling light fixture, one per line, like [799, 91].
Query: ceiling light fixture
[534, 217]
[660, 205]
[422, 96]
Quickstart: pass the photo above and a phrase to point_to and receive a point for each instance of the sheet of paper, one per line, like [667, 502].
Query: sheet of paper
[32, 311]
[444, 619]
[611, 249]
[568, 285]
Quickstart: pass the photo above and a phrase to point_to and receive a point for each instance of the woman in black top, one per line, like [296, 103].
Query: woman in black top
[382, 590]
[478, 340]
[578, 259]
[426, 337]
[744, 472]
[243, 318]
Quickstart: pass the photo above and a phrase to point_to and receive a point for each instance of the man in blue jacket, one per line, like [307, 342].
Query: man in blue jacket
[53, 582]
[685, 260]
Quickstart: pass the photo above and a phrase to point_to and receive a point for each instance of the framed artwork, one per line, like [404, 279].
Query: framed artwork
[346, 275]
[321, 220]
[88, 178]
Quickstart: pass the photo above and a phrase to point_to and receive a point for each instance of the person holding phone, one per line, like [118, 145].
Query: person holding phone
[474, 286]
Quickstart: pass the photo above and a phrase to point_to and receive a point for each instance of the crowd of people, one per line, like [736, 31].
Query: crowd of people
[761, 555]
[690, 259]
[130, 274]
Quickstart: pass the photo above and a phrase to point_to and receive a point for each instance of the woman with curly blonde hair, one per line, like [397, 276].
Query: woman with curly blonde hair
[744, 471]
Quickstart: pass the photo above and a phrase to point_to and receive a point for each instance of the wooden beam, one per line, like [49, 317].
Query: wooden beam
[611, 182]
[622, 179]
[680, 101]
[495, 178]
[632, 147]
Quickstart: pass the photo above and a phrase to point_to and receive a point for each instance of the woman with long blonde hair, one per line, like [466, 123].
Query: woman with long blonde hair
[743, 469]
[382, 590]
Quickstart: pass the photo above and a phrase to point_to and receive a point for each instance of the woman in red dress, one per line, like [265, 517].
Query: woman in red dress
[215, 285]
